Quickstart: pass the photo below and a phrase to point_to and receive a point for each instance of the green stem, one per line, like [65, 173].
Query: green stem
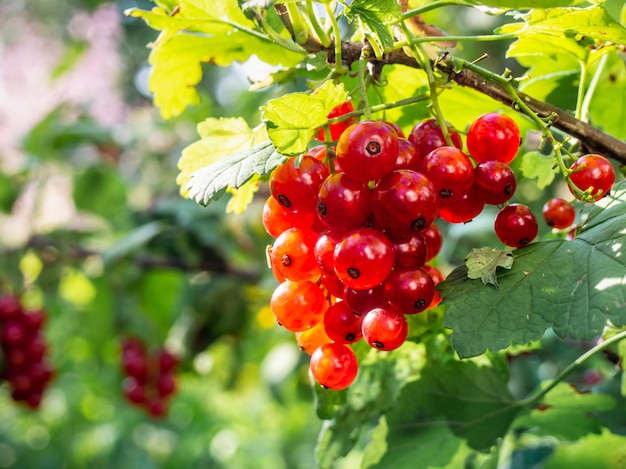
[582, 84]
[584, 110]
[272, 35]
[380, 108]
[540, 393]
[431, 6]
[422, 57]
[367, 113]
[300, 33]
[483, 38]
[339, 67]
[317, 27]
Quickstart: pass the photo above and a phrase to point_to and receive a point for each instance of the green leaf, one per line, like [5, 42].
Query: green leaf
[377, 16]
[566, 414]
[201, 31]
[606, 451]
[219, 138]
[574, 287]
[210, 182]
[564, 30]
[482, 263]
[451, 408]
[536, 165]
[292, 119]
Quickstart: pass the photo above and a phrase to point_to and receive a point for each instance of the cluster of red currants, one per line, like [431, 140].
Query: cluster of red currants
[26, 365]
[354, 229]
[150, 378]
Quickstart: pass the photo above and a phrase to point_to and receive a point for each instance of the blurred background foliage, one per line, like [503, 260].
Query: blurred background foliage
[93, 229]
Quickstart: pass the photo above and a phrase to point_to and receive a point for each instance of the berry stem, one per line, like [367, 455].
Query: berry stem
[540, 393]
[593, 84]
[322, 36]
[367, 112]
[271, 34]
[422, 57]
[299, 31]
[339, 66]
[380, 108]
[480, 38]
[431, 6]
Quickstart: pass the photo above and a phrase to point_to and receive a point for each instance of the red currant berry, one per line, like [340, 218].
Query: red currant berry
[384, 329]
[408, 157]
[298, 306]
[134, 390]
[396, 128]
[450, 171]
[167, 361]
[363, 258]
[312, 338]
[292, 255]
[426, 136]
[434, 241]
[363, 301]
[367, 150]
[277, 218]
[342, 324]
[404, 201]
[464, 210]
[334, 366]
[559, 213]
[493, 136]
[10, 307]
[324, 250]
[343, 203]
[593, 172]
[516, 225]
[332, 284]
[166, 385]
[157, 407]
[494, 182]
[437, 277]
[296, 187]
[410, 250]
[337, 129]
[409, 290]
[13, 334]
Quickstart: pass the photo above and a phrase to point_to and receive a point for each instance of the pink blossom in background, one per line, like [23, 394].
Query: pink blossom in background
[28, 91]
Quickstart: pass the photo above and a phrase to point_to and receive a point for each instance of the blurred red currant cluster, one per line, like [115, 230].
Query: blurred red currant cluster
[150, 379]
[26, 366]
[354, 228]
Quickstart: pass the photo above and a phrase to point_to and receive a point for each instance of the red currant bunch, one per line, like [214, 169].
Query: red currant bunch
[27, 368]
[150, 379]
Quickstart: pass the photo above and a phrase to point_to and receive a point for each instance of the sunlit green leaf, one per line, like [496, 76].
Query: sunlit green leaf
[377, 16]
[291, 129]
[219, 138]
[210, 182]
[531, 295]
[606, 450]
[201, 31]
